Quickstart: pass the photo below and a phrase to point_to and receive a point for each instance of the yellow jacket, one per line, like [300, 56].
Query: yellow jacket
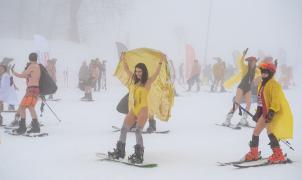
[282, 122]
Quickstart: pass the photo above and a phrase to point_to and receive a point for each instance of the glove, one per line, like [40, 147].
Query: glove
[258, 113]
[270, 115]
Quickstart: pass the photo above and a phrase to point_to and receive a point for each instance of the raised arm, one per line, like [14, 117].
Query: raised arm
[24, 74]
[123, 59]
[154, 76]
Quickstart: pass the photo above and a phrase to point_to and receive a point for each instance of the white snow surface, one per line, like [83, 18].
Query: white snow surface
[190, 150]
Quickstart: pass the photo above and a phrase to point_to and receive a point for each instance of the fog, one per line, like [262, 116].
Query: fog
[73, 31]
[212, 28]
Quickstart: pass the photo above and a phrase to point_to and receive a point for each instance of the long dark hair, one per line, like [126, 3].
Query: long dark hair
[144, 78]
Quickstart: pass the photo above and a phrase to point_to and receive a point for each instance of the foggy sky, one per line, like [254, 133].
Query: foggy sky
[270, 25]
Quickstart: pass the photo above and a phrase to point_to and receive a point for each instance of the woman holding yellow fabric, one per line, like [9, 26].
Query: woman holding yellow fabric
[139, 87]
[273, 113]
[243, 90]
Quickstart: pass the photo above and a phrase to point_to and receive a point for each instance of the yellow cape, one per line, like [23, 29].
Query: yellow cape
[282, 122]
[243, 68]
[161, 94]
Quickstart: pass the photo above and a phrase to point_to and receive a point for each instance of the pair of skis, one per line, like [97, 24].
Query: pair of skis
[236, 127]
[248, 164]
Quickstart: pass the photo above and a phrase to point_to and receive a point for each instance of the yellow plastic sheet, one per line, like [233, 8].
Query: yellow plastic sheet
[161, 94]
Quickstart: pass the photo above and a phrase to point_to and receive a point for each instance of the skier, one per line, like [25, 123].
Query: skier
[195, 73]
[7, 90]
[273, 113]
[243, 90]
[32, 75]
[93, 75]
[84, 79]
[218, 72]
[97, 86]
[139, 87]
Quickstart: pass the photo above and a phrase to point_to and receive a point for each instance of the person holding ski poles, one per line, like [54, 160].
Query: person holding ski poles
[243, 89]
[32, 75]
[273, 113]
[139, 87]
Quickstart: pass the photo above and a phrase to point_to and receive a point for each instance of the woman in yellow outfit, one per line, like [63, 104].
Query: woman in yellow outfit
[273, 113]
[138, 102]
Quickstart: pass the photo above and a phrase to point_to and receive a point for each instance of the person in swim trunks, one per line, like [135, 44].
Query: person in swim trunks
[32, 75]
[138, 102]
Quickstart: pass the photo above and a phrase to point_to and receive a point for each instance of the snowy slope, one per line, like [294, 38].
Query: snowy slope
[189, 151]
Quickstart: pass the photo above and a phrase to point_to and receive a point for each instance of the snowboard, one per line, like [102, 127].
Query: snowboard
[232, 126]
[117, 129]
[41, 134]
[8, 127]
[105, 157]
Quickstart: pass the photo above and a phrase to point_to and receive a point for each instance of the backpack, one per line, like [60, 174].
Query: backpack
[46, 84]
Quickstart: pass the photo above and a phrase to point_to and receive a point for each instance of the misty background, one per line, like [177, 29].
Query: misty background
[213, 28]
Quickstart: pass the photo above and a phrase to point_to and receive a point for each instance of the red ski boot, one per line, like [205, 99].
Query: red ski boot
[277, 156]
[253, 155]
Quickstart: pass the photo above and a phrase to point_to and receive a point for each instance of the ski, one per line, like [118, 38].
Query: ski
[230, 163]
[259, 163]
[58, 99]
[238, 162]
[247, 126]
[105, 157]
[232, 126]
[8, 111]
[117, 129]
[84, 100]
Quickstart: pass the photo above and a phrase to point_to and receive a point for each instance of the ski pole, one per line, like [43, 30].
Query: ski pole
[242, 108]
[285, 142]
[44, 101]
[288, 144]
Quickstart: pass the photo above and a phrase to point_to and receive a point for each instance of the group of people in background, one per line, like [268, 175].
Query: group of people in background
[92, 77]
[214, 75]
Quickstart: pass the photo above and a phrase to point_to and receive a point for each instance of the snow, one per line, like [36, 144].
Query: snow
[190, 150]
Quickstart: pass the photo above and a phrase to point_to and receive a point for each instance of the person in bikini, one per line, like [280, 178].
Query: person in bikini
[139, 87]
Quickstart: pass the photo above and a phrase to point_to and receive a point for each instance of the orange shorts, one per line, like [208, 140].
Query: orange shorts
[31, 97]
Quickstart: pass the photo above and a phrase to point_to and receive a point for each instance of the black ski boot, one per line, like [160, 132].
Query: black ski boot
[89, 97]
[35, 127]
[119, 151]
[85, 96]
[138, 156]
[22, 127]
[152, 126]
